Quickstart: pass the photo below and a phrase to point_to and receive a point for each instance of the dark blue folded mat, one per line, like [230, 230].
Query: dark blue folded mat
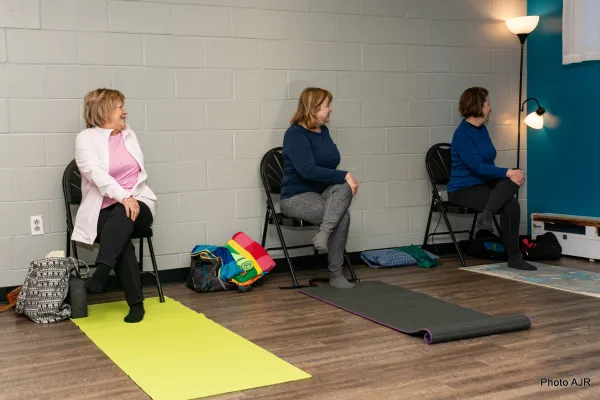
[416, 313]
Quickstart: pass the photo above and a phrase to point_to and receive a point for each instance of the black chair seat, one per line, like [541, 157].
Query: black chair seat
[289, 222]
[452, 208]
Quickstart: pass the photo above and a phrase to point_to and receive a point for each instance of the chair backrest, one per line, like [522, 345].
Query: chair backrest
[271, 170]
[438, 162]
[71, 183]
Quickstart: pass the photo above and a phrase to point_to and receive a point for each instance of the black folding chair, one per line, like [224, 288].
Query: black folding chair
[271, 173]
[71, 183]
[438, 162]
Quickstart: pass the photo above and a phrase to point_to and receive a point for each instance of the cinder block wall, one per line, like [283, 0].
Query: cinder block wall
[211, 85]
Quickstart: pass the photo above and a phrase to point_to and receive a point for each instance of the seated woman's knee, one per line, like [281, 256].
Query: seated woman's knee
[344, 188]
[120, 213]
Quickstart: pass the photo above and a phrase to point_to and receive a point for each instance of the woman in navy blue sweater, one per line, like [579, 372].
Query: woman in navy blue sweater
[312, 188]
[476, 182]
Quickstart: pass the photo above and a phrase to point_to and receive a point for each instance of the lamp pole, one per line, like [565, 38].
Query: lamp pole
[521, 27]
[522, 38]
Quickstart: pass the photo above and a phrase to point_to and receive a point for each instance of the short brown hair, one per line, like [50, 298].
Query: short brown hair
[98, 104]
[310, 99]
[471, 102]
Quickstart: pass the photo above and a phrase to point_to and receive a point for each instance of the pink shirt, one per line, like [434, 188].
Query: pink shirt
[121, 166]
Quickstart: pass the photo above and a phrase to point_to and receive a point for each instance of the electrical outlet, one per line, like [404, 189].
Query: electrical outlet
[37, 225]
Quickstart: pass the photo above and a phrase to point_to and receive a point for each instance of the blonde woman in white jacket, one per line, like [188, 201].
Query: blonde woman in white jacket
[116, 202]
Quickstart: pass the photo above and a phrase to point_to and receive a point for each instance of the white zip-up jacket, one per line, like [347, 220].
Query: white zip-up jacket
[92, 157]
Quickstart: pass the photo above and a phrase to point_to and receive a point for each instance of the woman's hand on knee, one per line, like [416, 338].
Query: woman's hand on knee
[351, 181]
[516, 175]
[132, 207]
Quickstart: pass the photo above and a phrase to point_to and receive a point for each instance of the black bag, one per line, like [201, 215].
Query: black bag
[485, 245]
[544, 247]
[204, 274]
[77, 296]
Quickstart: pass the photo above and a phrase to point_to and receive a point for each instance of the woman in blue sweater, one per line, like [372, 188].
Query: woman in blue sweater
[312, 188]
[476, 182]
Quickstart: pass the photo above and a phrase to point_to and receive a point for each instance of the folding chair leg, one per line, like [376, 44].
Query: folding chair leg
[265, 227]
[472, 234]
[428, 222]
[75, 250]
[287, 256]
[68, 246]
[141, 262]
[71, 245]
[155, 268]
[353, 277]
[460, 255]
[296, 285]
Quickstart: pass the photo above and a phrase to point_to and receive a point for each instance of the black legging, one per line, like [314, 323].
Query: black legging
[116, 250]
[495, 196]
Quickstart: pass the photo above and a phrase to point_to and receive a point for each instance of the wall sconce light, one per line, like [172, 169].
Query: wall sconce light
[535, 119]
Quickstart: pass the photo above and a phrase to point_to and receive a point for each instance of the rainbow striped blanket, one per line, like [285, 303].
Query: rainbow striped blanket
[244, 260]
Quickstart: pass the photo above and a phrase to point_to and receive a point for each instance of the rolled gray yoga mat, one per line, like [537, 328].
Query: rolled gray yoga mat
[416, 313]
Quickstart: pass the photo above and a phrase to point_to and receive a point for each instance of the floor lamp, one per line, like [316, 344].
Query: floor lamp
[522, 27]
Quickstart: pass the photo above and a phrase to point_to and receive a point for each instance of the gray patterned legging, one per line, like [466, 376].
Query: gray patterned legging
[330, 210]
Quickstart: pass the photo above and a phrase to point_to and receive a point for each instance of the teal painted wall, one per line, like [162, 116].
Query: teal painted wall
[562, 159]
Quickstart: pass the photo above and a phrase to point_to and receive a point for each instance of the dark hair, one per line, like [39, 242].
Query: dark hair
[471, 102]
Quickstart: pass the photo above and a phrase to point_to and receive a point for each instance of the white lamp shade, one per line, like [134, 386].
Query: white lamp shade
[522, 24]
[534, 121]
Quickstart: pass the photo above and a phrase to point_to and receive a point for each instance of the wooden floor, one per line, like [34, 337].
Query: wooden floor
[347, 356]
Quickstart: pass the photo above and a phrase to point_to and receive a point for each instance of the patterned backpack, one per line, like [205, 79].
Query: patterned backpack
[42, 297]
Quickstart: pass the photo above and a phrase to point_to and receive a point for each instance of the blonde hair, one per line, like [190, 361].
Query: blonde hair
[310, 99]
[98, 104]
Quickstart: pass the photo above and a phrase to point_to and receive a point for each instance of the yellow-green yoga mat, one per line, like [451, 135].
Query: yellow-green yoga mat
[176, 353]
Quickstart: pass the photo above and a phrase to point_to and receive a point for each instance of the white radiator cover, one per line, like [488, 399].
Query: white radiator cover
[585, 244]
